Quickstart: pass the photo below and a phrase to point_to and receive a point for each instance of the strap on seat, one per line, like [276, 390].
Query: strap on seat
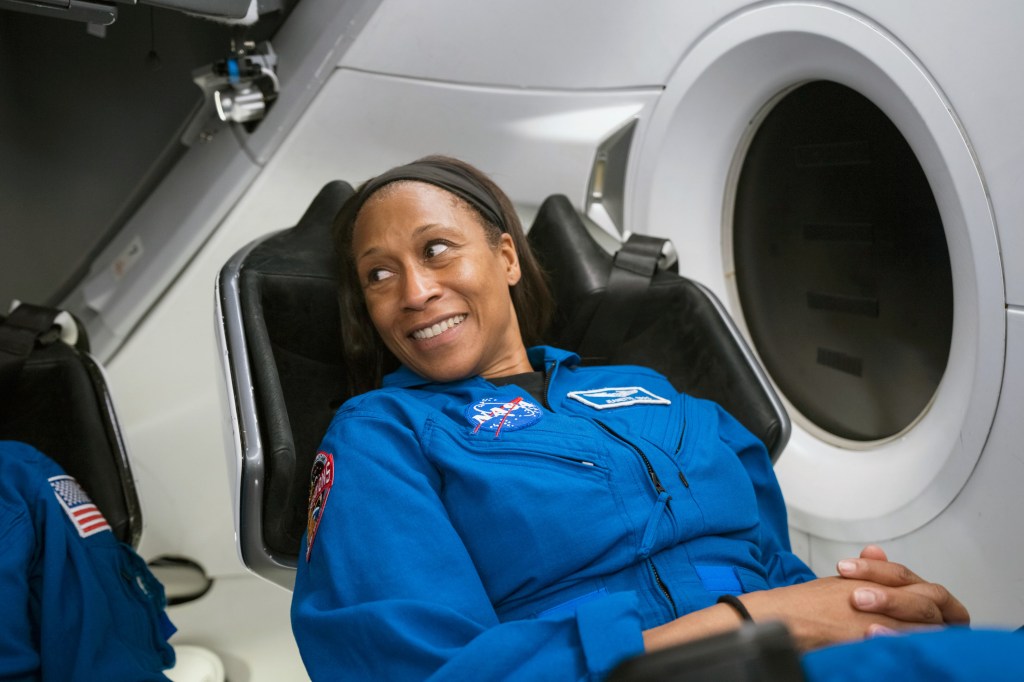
[632, 270]
[26, 326]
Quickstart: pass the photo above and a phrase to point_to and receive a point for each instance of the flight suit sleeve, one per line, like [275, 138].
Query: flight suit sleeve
[19, 658]
[390, 592]
[954, 654]
[78, 604]
[781, 565]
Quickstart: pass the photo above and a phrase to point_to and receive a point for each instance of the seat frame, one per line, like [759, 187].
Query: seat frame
[249, 460]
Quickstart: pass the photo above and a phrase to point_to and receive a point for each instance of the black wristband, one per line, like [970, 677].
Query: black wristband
[734, 601]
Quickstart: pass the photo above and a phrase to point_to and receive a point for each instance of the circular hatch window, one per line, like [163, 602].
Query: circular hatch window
[842, 267]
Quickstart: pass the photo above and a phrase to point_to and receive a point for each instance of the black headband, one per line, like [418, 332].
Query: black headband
[448, 177]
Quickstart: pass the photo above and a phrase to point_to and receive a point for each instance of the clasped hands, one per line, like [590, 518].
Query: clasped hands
[870, 596]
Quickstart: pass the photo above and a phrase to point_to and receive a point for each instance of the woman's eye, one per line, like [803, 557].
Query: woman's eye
[435, 249]
[378, 274]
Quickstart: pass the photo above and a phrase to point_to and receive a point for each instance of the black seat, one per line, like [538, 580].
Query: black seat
[280, 335]
[53, 396]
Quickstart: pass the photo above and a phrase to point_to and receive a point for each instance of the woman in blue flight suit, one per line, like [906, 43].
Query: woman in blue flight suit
[77, 604]
[497, 512]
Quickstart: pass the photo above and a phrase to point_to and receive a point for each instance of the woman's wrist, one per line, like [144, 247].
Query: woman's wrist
[736, 605]
[712, 620]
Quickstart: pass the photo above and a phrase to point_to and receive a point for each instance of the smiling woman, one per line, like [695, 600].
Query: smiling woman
[511, 514]
[435, 287]
[447, 227]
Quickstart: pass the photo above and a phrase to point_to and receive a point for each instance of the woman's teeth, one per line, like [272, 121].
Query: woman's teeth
[442, 326]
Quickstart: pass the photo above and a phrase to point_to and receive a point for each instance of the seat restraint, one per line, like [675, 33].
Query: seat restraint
[26, 326]
[633, 268]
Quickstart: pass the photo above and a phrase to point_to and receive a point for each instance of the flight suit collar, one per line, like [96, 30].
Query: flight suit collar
[540, 358]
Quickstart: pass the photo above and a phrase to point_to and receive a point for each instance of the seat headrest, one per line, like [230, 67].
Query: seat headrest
[54, 397]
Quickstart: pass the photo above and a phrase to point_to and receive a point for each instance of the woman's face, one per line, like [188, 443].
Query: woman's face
[436, 290]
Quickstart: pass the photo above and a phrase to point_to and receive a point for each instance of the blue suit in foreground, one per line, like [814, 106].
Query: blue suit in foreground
[78, 605]
[949, 655]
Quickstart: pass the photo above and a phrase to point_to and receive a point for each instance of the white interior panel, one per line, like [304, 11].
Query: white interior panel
[255, 642]
[533, 143]
[576, 45]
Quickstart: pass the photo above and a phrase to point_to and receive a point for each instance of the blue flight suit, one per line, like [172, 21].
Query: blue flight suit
[77, 604]
[464, 531]
[954, 654]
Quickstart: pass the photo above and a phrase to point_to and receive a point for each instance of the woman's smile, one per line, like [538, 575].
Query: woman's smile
[434, 330]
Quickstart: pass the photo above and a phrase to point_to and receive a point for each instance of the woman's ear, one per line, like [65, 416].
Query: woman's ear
[510, 258]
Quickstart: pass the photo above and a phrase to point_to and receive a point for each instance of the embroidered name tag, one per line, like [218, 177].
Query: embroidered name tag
[606, 398]
[321, 479]
[495, 414]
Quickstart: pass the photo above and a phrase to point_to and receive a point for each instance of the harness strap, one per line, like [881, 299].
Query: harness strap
[632, 270]
[26, 326]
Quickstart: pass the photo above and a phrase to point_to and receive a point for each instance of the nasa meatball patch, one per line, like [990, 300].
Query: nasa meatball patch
[497, 414]
[320, 481]
[623, 396]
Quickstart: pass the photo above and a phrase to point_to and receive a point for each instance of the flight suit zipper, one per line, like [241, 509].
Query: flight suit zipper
[661, 504]
[647, 463]
[663, 587]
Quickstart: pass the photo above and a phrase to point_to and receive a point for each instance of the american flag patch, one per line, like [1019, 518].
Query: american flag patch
[85, 516]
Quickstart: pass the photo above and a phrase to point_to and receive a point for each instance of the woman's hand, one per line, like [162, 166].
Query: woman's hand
[821, 612]
[817, 613]
[876, 596]
[871, 596]
[899, 593]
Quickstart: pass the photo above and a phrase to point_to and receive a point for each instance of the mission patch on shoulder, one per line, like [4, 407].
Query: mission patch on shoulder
[321, 479]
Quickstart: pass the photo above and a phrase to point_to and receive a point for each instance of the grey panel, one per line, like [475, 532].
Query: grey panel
[75, 10]
[229, 9]
[105, 14]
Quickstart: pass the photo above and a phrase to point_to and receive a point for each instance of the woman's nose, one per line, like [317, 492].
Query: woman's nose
[420, 287]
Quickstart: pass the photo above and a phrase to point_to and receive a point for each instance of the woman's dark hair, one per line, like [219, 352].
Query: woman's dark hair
[367, 359]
